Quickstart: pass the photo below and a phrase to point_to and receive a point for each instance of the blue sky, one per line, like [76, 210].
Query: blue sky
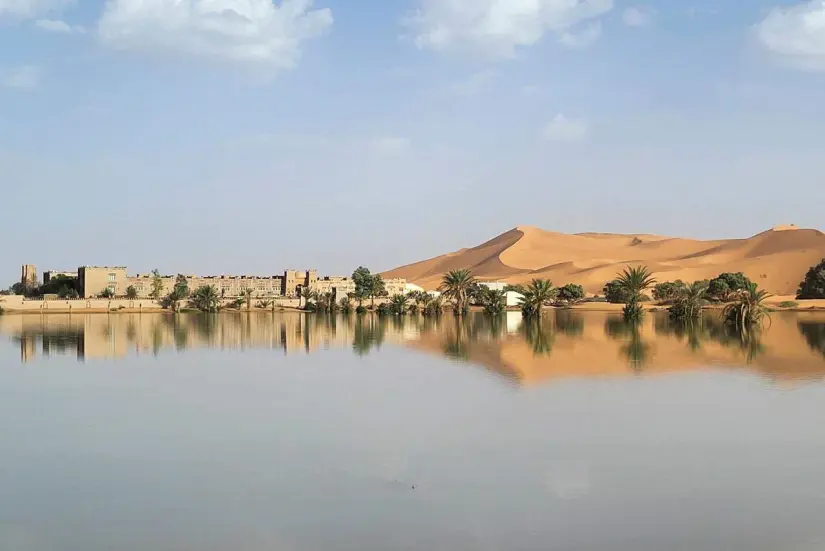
[220, 136]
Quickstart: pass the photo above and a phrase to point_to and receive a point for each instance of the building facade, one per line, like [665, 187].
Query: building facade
[94, 280]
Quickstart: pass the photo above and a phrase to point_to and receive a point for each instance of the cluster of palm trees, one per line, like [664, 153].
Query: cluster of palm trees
[745, 312]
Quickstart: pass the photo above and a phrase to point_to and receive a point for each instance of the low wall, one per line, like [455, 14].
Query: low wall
[21, 305]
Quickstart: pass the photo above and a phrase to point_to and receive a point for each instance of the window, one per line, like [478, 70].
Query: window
[112, 277]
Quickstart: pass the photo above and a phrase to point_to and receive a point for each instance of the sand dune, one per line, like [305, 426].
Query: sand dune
[777, 259]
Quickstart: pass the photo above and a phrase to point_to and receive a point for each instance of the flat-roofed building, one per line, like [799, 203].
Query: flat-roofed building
[94, 280]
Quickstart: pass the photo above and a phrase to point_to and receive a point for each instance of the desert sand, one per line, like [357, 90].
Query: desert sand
[776, 259]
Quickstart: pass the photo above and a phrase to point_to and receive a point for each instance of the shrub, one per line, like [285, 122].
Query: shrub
[813, 286]
[788, 304]
[131, 292]
[361, 309]
[570, 294]
[615, 293]
[2, 310]
[669, 290]
[106, 293]
[725, 286]
[383, 309]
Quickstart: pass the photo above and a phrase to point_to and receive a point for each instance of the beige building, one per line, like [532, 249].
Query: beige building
[340, 287]
[94, 280]
[28, 275]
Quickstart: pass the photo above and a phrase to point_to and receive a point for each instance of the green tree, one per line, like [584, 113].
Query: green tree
[570, 294]
[206, 299]
[308, 295]
[106, 293]
[68, 293]
[131, 292]
[813, 286]
[398, 305]
[493, 301]
[456, 286]
[377, 288]
[614, 293]
[726, 286]
[363, 283]
[157, 285]
[247, 297]
[668, 291]
[181, 288]
[535, 296]
[634, 281]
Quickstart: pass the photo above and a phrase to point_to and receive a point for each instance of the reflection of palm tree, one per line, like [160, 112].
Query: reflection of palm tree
[634, 347]
[747, 341]
[540, 338]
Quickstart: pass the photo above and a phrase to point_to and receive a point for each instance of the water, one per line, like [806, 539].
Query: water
[293, 432]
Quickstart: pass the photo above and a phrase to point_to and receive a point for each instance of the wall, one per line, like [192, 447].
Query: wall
[93, 280]
[227, 286]
[14, 304]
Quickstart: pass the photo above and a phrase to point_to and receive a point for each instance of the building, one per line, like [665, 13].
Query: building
[338, 286]
[94, 280]
[294, 281]
[28, 275]
[395, 287]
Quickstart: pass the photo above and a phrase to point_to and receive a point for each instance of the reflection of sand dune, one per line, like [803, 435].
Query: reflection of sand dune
[777, 259]
[567, 344]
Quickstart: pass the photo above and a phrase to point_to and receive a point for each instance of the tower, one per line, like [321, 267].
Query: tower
[28, 275]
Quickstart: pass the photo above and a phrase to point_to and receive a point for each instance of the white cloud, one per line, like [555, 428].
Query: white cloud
[237, 30]
[562, 129]
[496, 28]
[390, 145]
[28, 9]
[57, 26]
[472, 85]
[636, 17]
[582, 38]
[796, 34]
[26, 77]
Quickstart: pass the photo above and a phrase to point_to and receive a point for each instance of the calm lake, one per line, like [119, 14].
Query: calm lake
[285, 432]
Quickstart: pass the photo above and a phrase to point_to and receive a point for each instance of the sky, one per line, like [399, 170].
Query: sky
[246, 136]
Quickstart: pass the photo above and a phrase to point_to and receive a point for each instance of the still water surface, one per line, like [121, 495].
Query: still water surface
[295, 432]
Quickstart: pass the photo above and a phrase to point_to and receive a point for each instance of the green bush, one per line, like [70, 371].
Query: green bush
[788, 304]
[724, 286]
[615, 293]
[570, 294]
[361, 309]
[669, 290]
[813, 286]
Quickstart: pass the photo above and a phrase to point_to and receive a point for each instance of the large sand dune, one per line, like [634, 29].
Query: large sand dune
[776, 259]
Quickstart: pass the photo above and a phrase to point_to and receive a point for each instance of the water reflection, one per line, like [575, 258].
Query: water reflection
[563, 343]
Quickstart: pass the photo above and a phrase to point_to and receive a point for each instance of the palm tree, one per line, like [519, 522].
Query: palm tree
[434, 305]
[398, 305]
[493, 301]
[206, 299]
[247, 295]
[345, 304]
[456, 285]
[748, 310]
[307, 294]
[633, 281]
[535, 296]
[689, 302]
